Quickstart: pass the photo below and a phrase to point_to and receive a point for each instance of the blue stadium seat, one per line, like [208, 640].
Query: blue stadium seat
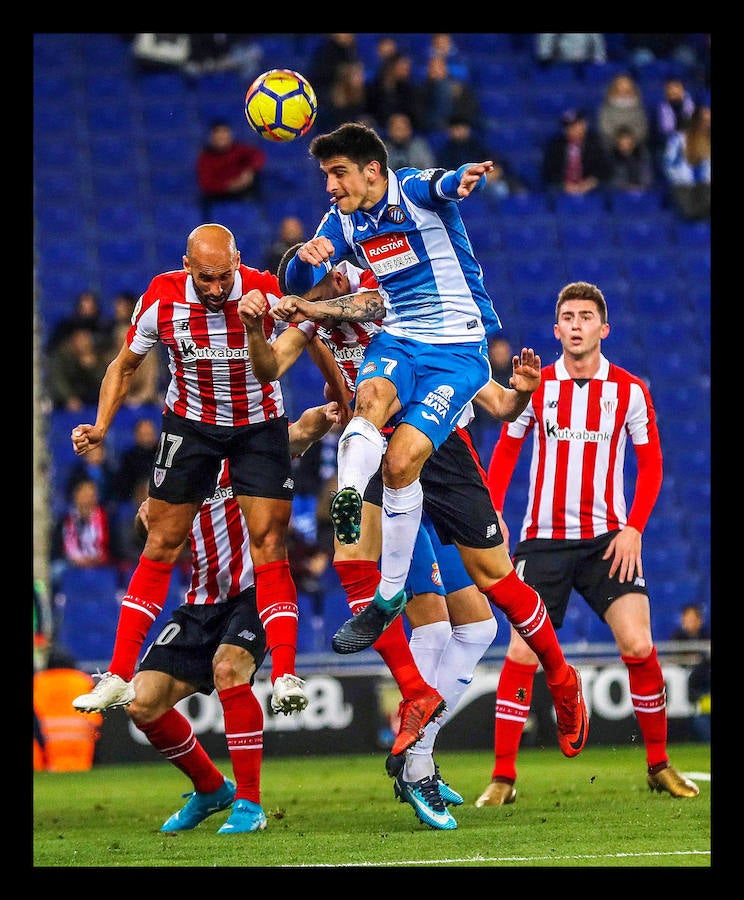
[591, 205]
[111, 119]
[107, 52]
[636, 203]
[169, 181]
[640, 234]
[540, 268]
[657, 268]
[578, 235]
[107, 150]
[113, 251]
[528, 204]
[58, 88]
[60, 220]
[597, 267]
[115, 185]
[105, 89]
[695, 263]
[51, 153]
[176, 215]
[694, 235]
[127, 219]
[527, 237]
[168, 87]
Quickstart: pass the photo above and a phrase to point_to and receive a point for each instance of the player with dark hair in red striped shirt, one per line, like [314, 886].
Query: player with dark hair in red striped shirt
[576, 533]
[214, 409]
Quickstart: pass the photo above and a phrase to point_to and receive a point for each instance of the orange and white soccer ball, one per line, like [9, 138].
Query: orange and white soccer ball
[281, 105]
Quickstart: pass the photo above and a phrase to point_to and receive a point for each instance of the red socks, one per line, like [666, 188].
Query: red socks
[359, 579]
[276, 599]
[144, 601]
[173, 736]
[513, 701]
[244, 734]
[648, 694]
[525, 610]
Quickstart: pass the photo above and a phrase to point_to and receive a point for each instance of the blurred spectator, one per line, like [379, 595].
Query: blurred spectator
[632, 166]
[673, 111]
[80, 537]
[223, 52]
[500, 356]
[404, 147]
[570, 48]
[94, 466]
[687, 159]
[155, 52]
[65, 741]
[692, 625]
[622, 105]
[308, 562]
[393, 90]
[146, 385]
[643, 49]
[385, 48]
[291, 232]
[347, 98]
[127, 541]
[227, 169]
[443, 45]
[335, 50]
[75, 371]
[463, 146]
[575, 161]
[135, 463]
[86, 314]
[444, 96]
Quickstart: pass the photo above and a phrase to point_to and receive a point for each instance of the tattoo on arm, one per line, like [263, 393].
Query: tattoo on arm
[365, 306]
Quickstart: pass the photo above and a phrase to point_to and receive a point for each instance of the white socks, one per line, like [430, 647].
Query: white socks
[401, 517]
[359, 454]
[453, 674]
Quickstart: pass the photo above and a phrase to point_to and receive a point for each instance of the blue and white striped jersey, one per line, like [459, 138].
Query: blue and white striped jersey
[415, 242]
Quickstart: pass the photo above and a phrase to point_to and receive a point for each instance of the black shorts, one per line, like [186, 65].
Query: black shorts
[456, 497]
[188, 460]
[185, 647]
[555, 568]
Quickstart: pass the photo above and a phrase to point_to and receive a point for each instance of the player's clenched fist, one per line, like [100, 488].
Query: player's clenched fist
[252, 307]
[85, 437]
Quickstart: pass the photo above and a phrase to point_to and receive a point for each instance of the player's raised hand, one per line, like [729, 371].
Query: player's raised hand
[316, 251]
[252, 307]
[526, 371]
[472, 175]
[85, 438]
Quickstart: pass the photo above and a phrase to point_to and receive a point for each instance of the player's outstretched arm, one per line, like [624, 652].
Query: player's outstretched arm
[114, 388]
[508, 403]
[311, 426]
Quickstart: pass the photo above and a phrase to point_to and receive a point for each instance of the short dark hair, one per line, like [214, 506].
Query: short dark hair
[355, 140]
[582, 290]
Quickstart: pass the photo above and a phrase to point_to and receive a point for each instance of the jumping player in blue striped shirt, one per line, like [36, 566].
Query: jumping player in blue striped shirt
[424, 366]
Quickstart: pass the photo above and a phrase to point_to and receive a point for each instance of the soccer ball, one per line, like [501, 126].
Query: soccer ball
[281, 105]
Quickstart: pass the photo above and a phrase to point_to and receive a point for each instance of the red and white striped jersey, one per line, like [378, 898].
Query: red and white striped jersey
[220, 548]
[347, 341]
[212, 379]
[580, 431]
